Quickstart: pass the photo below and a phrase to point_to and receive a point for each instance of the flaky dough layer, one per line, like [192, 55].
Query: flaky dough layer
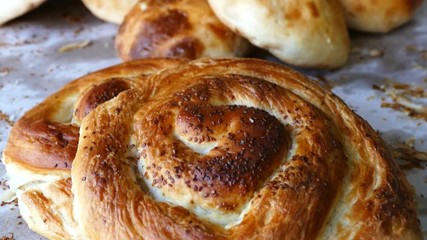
[236, 149]
[43, 143]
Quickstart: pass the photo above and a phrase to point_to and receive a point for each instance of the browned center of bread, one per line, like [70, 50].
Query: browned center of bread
[247, 145]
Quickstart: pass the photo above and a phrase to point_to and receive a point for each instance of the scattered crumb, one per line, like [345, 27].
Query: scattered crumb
[10, 237]
[6, 118]
[78, 30]
[363, 54]
[4, 184]
[421, 53]
[73, 46]
[5, 71]
[14, 203]
[403, 98]
[407, 156]
[370, 98]
[374, 53]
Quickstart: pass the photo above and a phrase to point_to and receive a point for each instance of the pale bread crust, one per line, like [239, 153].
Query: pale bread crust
[112, 11]
[379, 16]
[13, 9]
[302, 33]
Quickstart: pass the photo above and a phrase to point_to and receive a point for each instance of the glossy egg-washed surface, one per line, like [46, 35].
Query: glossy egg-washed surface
[236, 149]
[178, 28]
[43, 144]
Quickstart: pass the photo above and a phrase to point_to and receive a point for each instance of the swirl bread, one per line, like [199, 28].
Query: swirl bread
[378, 16]
[236, 149]
[112, 11]
[43, 143]
[304, 33]
[182, 28]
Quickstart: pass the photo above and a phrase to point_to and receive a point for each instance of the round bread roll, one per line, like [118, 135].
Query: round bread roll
[236, 149]
[14, 8]
[182, 28]
[43, 143]
[306, 33]
[378, 16]
[112, 11]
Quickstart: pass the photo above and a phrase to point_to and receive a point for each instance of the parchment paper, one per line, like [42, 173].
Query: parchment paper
[36, 59]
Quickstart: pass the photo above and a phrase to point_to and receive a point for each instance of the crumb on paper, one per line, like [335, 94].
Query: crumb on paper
[363, 54]
[407, 156]
[375, 53]
[5, 71]
[78, 30]
[6, 118]
[73, 46]
[10, 237]
[370, 98]
[12, 201]
[4, 184]
[404, 98]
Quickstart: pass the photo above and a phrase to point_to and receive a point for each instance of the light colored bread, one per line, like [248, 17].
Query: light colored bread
[182, 28]
[236, 149]
[303, 33]
[43, 143]
[10, 9]
[112, 11]
[378, 16]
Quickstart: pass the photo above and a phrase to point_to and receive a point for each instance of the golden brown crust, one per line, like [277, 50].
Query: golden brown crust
[179, 28]
[43, 143]
[46, 136]
[335, 180]
[378, 16]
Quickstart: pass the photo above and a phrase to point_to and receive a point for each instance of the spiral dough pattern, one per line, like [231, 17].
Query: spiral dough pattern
[43, 144]
[235, 149]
